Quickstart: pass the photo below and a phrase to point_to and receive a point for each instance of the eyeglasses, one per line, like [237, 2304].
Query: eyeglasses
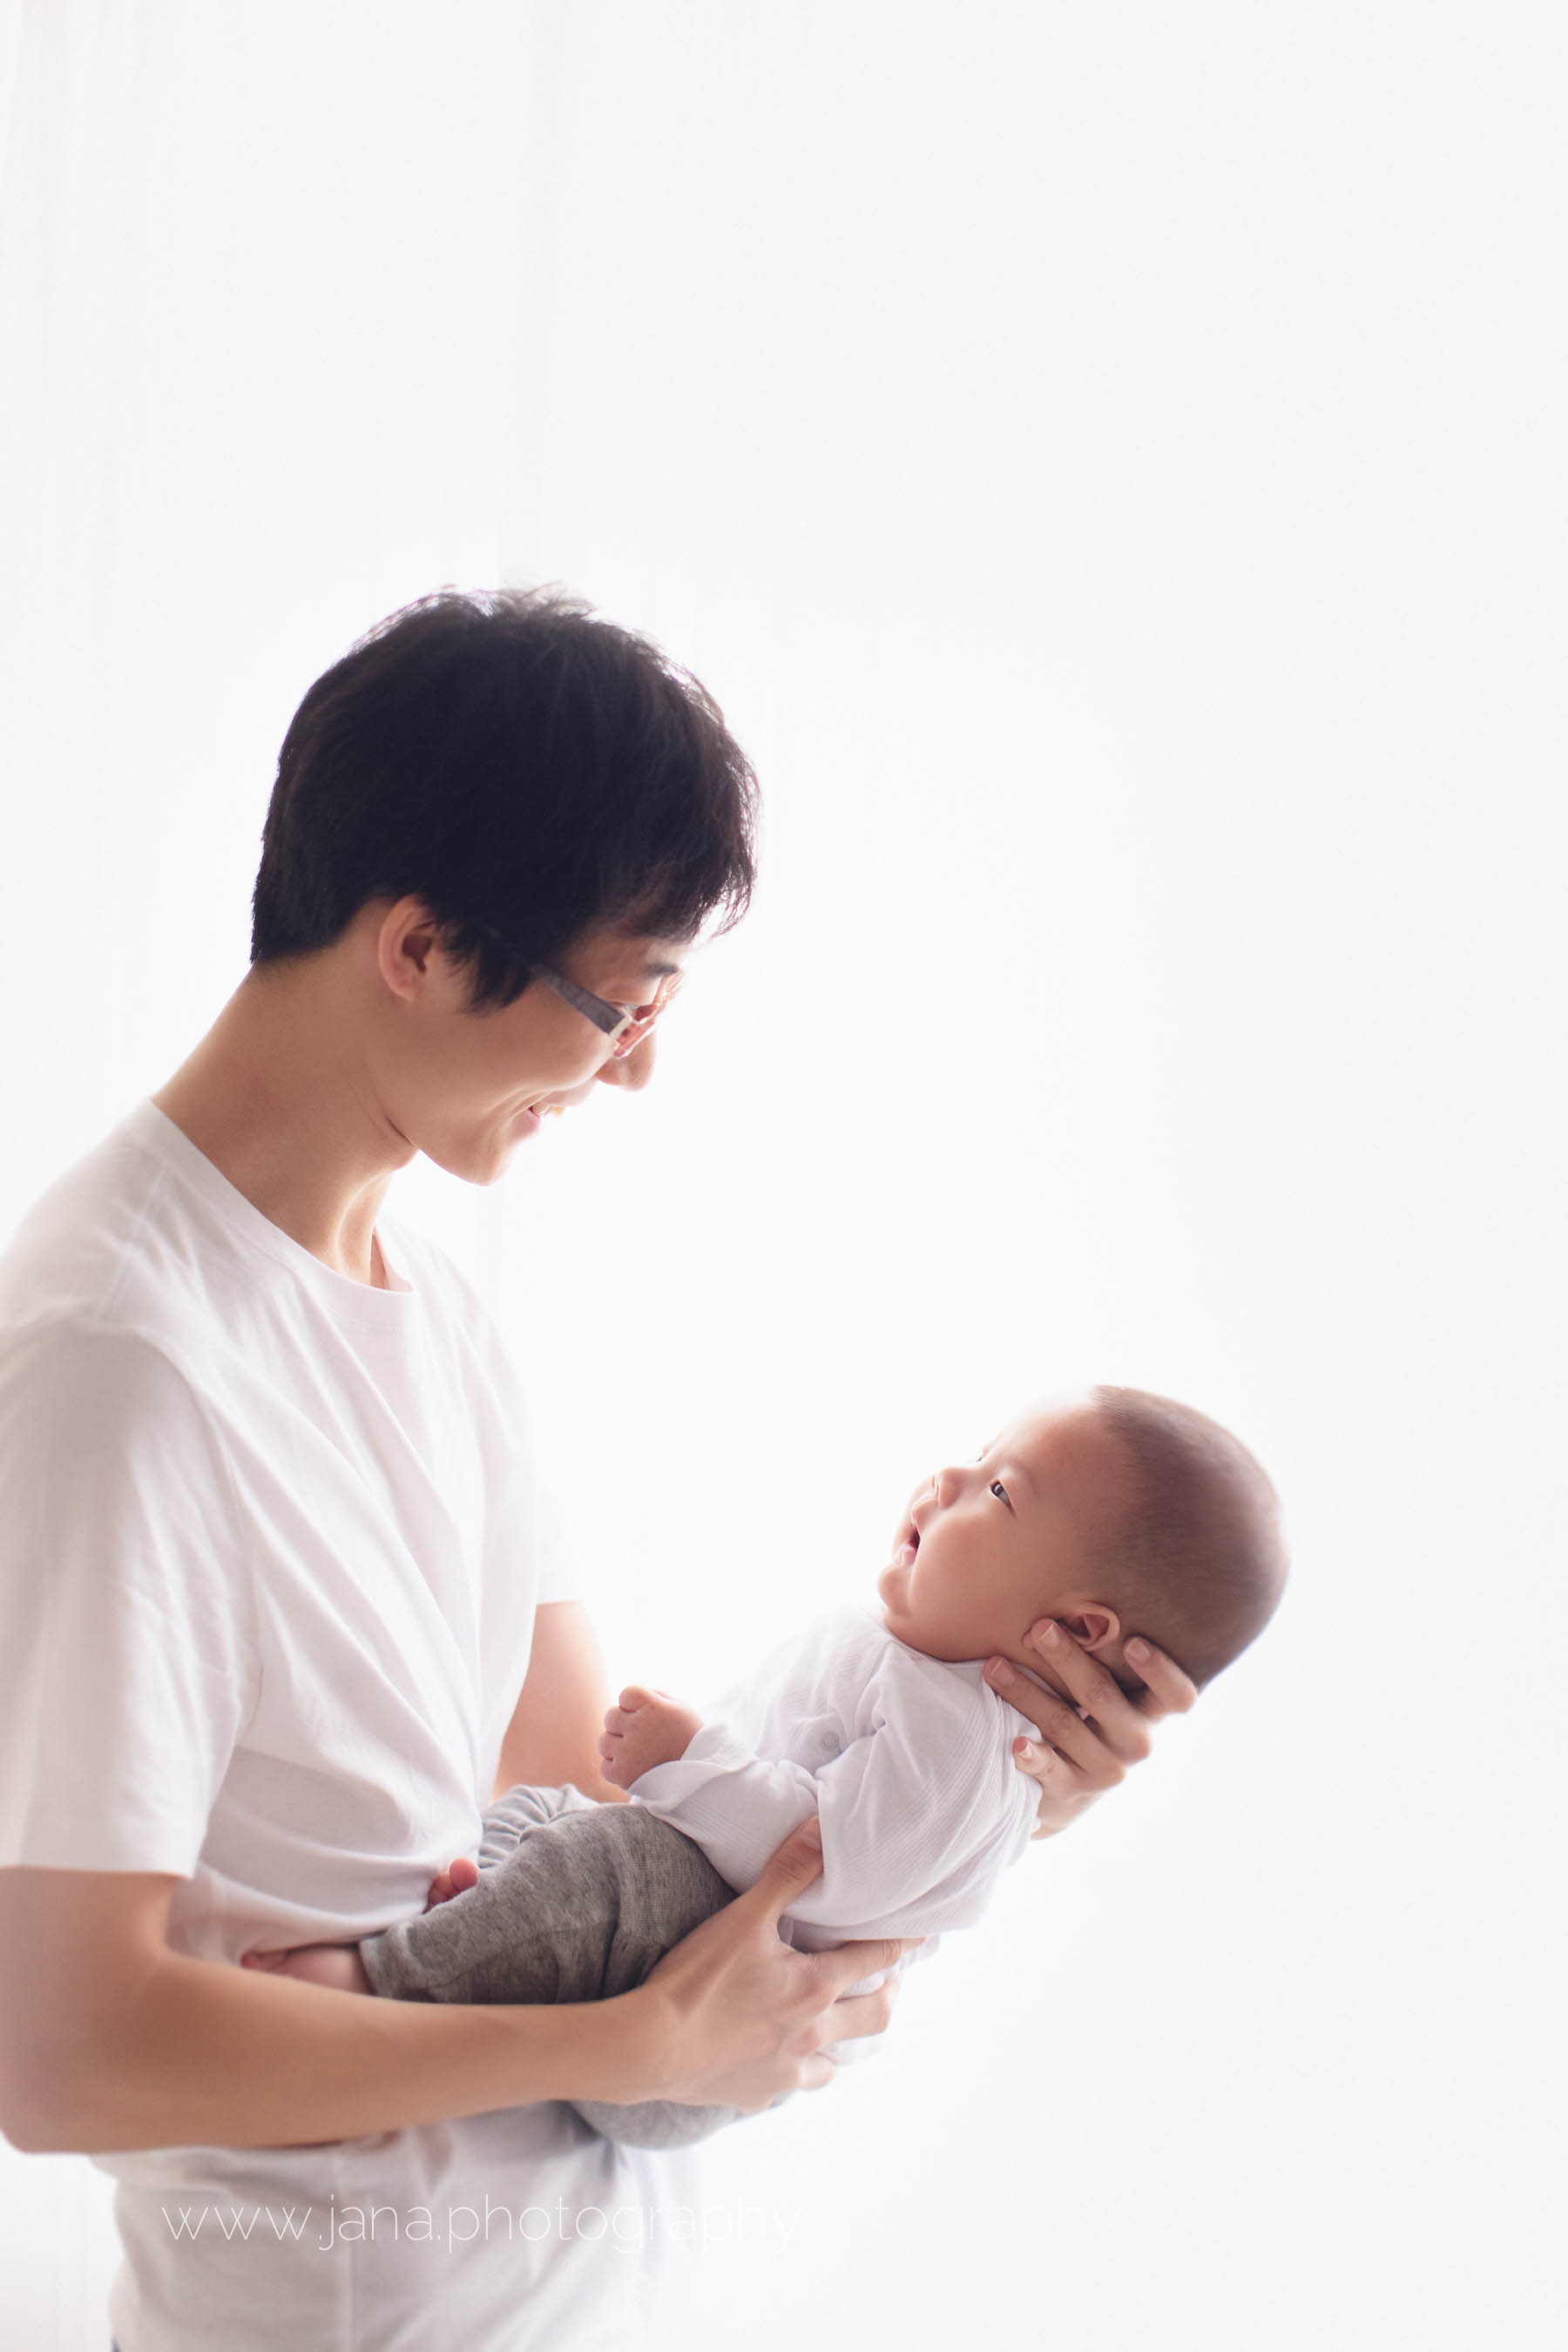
[625, 1025]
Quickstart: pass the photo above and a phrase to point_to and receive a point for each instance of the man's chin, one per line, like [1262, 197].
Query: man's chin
[483, 1162]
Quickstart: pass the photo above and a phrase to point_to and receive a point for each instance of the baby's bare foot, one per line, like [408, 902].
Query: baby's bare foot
[456, 1879]
[336, 1966]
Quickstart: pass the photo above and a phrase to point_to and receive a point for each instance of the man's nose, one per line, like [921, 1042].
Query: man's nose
[633, 1070]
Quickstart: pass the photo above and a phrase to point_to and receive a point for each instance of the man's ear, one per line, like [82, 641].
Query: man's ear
[406, 946]
[1092, 1625]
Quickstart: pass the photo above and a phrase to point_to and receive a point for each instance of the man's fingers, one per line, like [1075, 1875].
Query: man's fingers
[847, 1963]
[1094, 1692]
[1090, 1687]
[857, 2013]
[1062, 1728]
[1168, 1691]
[788, 1873]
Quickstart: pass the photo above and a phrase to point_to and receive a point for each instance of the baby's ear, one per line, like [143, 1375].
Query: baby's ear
[1093, 1625]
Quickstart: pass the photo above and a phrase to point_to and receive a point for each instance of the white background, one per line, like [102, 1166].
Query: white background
[1107, 462]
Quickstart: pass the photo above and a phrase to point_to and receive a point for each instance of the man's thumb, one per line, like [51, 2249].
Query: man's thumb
[791, 1868]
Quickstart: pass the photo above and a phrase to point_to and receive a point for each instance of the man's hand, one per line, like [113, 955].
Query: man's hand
[111, 2041]
[1096, 1730]
[647, 1727]
[743, 2018]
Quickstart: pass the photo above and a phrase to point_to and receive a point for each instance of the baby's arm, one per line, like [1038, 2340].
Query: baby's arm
[735, 1805]
[699, 1778]
[912, 1827]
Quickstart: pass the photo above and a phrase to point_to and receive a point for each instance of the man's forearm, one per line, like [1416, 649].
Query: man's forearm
[208, 2055]
[554, 1736]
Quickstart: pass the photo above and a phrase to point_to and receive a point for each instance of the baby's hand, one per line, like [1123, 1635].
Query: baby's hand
[647, 1727]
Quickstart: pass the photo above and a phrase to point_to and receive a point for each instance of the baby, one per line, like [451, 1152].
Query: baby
[1116, 1509]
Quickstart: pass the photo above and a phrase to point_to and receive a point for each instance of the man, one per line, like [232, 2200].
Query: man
[274, 1571]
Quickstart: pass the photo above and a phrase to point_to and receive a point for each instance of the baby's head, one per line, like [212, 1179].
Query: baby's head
[1115, 1512]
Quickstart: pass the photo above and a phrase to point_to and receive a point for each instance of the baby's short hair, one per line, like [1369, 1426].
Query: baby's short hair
[1189, 1547]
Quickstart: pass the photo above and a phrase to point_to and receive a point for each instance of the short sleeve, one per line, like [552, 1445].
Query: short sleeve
[127, 1664]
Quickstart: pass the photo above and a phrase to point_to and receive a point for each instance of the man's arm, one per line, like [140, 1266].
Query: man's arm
[554, 1736]
[110, 2041]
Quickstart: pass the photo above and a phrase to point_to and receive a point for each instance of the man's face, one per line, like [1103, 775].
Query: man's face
[987, 1547]
[467, 1088]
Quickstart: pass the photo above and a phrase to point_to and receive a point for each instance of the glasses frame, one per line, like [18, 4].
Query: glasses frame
[625, 1025]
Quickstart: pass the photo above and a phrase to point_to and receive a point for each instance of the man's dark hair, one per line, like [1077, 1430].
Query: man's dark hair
[1191, 1546]
[530, 770]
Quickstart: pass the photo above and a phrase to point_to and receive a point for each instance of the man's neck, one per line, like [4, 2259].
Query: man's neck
[277, 1097]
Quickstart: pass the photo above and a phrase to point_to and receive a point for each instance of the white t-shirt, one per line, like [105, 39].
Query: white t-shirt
[270, 1549]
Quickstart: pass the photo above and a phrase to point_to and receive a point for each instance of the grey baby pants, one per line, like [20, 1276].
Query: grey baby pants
[575, 1902]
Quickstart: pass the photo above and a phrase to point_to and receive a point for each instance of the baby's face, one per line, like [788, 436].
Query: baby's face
[988, 1548]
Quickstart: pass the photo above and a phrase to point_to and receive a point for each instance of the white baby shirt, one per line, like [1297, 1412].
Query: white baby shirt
[906, 1760]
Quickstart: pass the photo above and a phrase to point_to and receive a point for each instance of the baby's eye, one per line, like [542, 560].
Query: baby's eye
[1000, 1492]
